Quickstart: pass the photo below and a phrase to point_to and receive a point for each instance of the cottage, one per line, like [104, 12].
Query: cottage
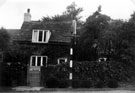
[45, 43]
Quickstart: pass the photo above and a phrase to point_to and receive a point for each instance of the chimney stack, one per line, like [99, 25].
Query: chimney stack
[27, 16]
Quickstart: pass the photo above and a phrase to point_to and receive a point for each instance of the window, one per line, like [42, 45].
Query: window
[102, 59]
[41, 36]
[33, 61]
[62, 60]
[38, 61]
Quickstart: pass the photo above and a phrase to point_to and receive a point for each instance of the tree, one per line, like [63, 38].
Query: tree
[127, 39]
[90, 39]
[4, 39]
[71, 12]
[110, 37]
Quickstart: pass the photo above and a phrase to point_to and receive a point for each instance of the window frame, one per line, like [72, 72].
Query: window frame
[35, 37]
[101, 59]
[36, 60]
[58, 60]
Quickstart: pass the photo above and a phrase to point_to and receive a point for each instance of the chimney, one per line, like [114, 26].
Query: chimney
[27, 16]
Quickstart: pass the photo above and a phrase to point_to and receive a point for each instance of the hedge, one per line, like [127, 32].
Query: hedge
[91, 74]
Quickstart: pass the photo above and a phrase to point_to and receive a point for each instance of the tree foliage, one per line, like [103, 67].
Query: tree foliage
[93, 28]
[104, 36]
[4, 39]
[71, 12]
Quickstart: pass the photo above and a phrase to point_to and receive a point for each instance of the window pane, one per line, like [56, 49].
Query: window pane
[38, 61]
[44, 61]
[45, 36]
[40, 35]
[35, 35]
[33, 61]
[62, 61]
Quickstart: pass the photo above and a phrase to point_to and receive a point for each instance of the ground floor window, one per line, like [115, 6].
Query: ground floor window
[38, 61]
[62, 60]
[102, 59]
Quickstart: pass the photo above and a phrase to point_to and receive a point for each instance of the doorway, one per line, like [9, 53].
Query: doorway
[34, 71]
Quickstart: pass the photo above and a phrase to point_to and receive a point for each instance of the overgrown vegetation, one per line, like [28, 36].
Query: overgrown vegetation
[96, 74]
[100, 36]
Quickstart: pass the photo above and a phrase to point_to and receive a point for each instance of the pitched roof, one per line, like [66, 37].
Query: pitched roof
[58, 33]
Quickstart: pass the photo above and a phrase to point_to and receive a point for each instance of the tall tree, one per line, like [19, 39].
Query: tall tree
[71, 12]
[110, 37]
[127, 40]
[89, 40]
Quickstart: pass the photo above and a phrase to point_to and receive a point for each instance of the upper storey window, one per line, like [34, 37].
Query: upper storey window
[40, 36]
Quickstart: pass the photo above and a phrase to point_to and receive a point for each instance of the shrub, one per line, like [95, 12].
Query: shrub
[76, 84]
[100, 84]
[63, 84]
[46, 72]
[52, 82]
[112, 84]
[98, 73]
[81, 84]
[86, 84]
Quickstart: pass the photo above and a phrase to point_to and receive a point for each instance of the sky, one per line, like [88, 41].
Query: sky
[12, 11]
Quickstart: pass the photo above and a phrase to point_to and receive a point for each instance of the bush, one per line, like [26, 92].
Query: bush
[112, 84]
[86, 84]
[81, 84]
[76, 84]
[46, 72]
[63, 84]
[100, 84]
[98, 73]
[52, 82]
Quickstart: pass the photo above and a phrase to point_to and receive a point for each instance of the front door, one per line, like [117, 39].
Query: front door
[34, 71]
[34, 76]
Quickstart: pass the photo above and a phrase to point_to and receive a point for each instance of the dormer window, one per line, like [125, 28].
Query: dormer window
[40, 36]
